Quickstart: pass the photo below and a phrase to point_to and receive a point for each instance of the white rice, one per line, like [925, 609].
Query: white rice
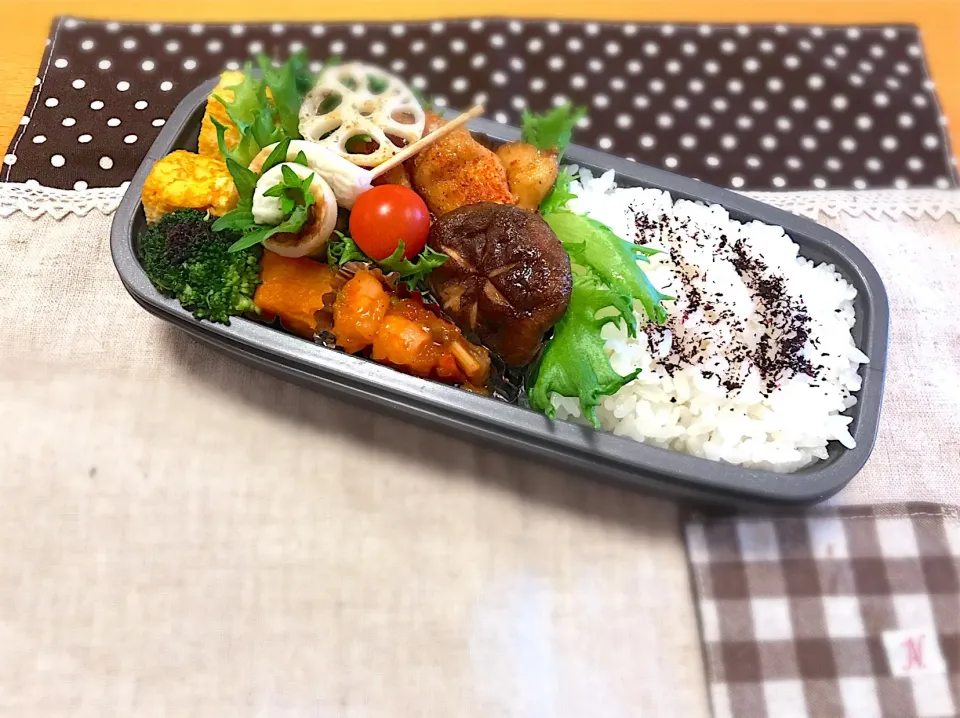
[700, 390]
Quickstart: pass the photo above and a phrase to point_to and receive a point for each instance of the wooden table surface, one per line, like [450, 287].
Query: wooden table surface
[28, 24]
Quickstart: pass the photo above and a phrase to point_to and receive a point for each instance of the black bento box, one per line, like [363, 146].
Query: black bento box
[592, 454]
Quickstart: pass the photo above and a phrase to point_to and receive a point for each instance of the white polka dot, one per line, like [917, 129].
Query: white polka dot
[688, 48]
[104, 64]
[79, 84]
[612, 48]
[753, 161]
[877, 51]
[735, 86]
[728, 142]
[865, 66]
[605, 143]
[595, 65]
[848, 144]
[902, 68]
[873, 164]
[713, 161]
[113, 122]
[24, 120]
[499, 78]
[859, 183]
[651, 48]
[58, 161]
[36, 82]
[129, 44]
[52, 102]
[856, 80]
[87, 45]
[10, 160]
[113, 27]
[592, 28]
[618, 84]
[601, 101]
[915, 164]
[720, 104]
[839, 102]
[667, 30]
[914, 50]
[216, 46]
[665, 120]
[657, 85]
[84, 139]
[420, 82]
[578, 82]
[705, 121]
[805, 45]
[833, 164]
[501, 117]
[889, 33]
[930, 142]
[736, 181]
[779, 181]
[919, 100]
[942, 183]
[893, 83]
[68, 122]
[758, 104]
[819, 182]
[417, 46]
[905, 120]
[237, 30]
[630, 30]
[767, 46]
[123, 86]
[831, 62]
[745, 122]
[141, 104]
[881, 99]
[634, 67]
[728, 47]
[840, 50]
[255, 47]
[624, 121]
[553, 28]
[681, 104]
[688, 142]
[39, 139]
[575, 44]
[159, 122]
[696, 85]
[641, 101]
[670, 161]
[583, 123]
[791, 61]
[535, 45]
[478, 61]
[768, 142]
[673, 67]
[234, 65]
[900, 183]
[518, 103]
[155, 28]
[794, 163]
[190, 64]
[79, 185]
[96, 105]
[775, 84]
[808, 142]
[61, 63]
[705, 30]
[864, 122]
[711, 67]
[166, 86]
[815, 82]
[799, 104]
[784, 124]
[823, 124]
[497, 40]
[438, 64]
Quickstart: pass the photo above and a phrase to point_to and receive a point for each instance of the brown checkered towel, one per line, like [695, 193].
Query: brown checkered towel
[846, 612]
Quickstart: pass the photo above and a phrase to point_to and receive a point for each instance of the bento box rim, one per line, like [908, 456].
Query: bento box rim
[626, 460]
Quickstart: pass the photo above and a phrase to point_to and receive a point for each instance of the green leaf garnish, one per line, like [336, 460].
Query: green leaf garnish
[574, 362]
[560, 195]
[277, 156]
[244, 178]
[287, 98]
[236, 219]
[551, 130]
[412, 273]
[301, 159]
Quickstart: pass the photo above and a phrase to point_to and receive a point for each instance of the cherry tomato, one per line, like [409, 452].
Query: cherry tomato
[386, 214]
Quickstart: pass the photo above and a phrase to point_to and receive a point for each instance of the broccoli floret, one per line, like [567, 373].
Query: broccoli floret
[183, 256]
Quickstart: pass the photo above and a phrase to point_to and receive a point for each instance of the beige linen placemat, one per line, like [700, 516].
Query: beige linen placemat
[180, 535]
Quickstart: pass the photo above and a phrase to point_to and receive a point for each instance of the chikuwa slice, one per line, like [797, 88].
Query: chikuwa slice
[362, 113]
[316, 233]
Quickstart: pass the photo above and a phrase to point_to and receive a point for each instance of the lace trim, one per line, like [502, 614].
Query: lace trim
[35, 201]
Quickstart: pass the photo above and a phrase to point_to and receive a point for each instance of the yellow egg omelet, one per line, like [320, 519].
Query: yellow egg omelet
[208, 146]
[184, 180]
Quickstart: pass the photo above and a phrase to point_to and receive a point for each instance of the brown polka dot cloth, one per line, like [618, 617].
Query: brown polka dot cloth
[844, 612]
[745, 106]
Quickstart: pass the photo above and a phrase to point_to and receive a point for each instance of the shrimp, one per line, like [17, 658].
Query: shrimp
[359, 311]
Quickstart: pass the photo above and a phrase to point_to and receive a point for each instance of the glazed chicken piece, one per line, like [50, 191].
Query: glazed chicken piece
[404, 334]
[457, 170]
[530, 172]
